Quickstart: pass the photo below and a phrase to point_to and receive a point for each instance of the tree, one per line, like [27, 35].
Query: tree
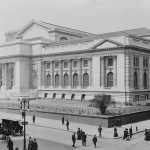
[101, 102]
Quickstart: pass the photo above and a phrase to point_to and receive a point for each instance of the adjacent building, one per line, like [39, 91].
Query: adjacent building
[66, 63]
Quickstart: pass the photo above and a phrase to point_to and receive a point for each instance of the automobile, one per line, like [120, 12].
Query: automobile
[11, 127]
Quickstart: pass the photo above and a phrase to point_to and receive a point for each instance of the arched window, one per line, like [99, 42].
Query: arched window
[85, 79]
[63, 38]
[48, 80]
[110, 79]
[66, 79]
[145, 80]
[135, 80]
[75, 79]
[57, 80]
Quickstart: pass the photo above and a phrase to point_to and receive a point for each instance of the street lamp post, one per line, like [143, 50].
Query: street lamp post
[24, 101]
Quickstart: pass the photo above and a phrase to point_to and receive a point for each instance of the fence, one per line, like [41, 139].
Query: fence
[76, 110]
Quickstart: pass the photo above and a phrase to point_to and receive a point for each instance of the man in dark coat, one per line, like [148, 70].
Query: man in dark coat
[79, 134]
[63, 119]
[100, 130]
[73, 139]
[10, 145]
[95, 140]
[33, 118]
[84, 139]
[67, 124]
[35, 145]
[130, 132]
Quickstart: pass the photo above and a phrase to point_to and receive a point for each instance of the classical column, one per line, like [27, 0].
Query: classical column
[3, 75]
[6, 75]
[102, 72]
[52, 73]
[115, 70]
[132, 72]
[90, 70]
[70, 72]
[80, 72]
[61, 73]
[43, 64]
[140, 80]
[13, 65]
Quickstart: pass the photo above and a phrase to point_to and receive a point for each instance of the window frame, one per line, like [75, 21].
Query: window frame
[112, 63]
[110, 83]
[66, 64]
[84, 64]
[56, 64]
[86, 82]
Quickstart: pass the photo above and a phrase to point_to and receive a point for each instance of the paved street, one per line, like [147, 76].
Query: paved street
[52, 131]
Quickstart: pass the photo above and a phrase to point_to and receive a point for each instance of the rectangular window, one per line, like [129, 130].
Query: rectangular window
[136, 97]
[110, 61]
[74, 64]
[136, 61]
[85, 63]
[47, 65]
[56, 65]
[65, 64]
[145, 62]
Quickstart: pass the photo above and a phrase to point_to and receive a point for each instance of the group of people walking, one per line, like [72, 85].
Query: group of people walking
[83, 137]
[128, 133]
[32, 145]
[67, 122]
[81, 134]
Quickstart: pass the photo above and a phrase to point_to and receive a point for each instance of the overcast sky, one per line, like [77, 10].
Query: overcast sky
[95, 16]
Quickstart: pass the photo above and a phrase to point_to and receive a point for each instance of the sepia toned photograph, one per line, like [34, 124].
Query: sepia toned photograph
[74, 75]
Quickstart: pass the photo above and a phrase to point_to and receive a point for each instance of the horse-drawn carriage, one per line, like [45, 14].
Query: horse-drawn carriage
[10, 127]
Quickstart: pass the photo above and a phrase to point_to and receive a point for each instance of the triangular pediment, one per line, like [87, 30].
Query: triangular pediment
[32, 27]
[106, 44]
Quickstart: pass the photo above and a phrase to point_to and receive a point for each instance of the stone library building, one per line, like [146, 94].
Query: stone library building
[64, 63]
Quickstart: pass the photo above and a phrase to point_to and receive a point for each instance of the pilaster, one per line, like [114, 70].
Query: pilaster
[70, 72]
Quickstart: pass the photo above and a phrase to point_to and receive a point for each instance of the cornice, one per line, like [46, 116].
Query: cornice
[85, 51]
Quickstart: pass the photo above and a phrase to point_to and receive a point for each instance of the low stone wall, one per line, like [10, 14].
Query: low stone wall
[96, 120]
[130, 118]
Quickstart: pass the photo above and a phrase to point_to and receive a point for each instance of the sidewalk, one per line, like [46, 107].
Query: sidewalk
[88, 129]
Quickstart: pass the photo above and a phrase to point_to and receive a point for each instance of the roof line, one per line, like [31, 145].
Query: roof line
[67, 28]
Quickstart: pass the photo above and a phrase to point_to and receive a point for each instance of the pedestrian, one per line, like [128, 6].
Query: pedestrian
[30, 145]
[23, 114]
[95, 140]
[67, 124]
[79, 134]
[30, 139]
[10, 144]
[125, 134]
[73, 139]
[100, 130]
[63, 119]
[146, 135]
[33, 118]
[136, 129]
[84, 137]
[34, 145]
[130, 132]
[82, 132]
[115, 132]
